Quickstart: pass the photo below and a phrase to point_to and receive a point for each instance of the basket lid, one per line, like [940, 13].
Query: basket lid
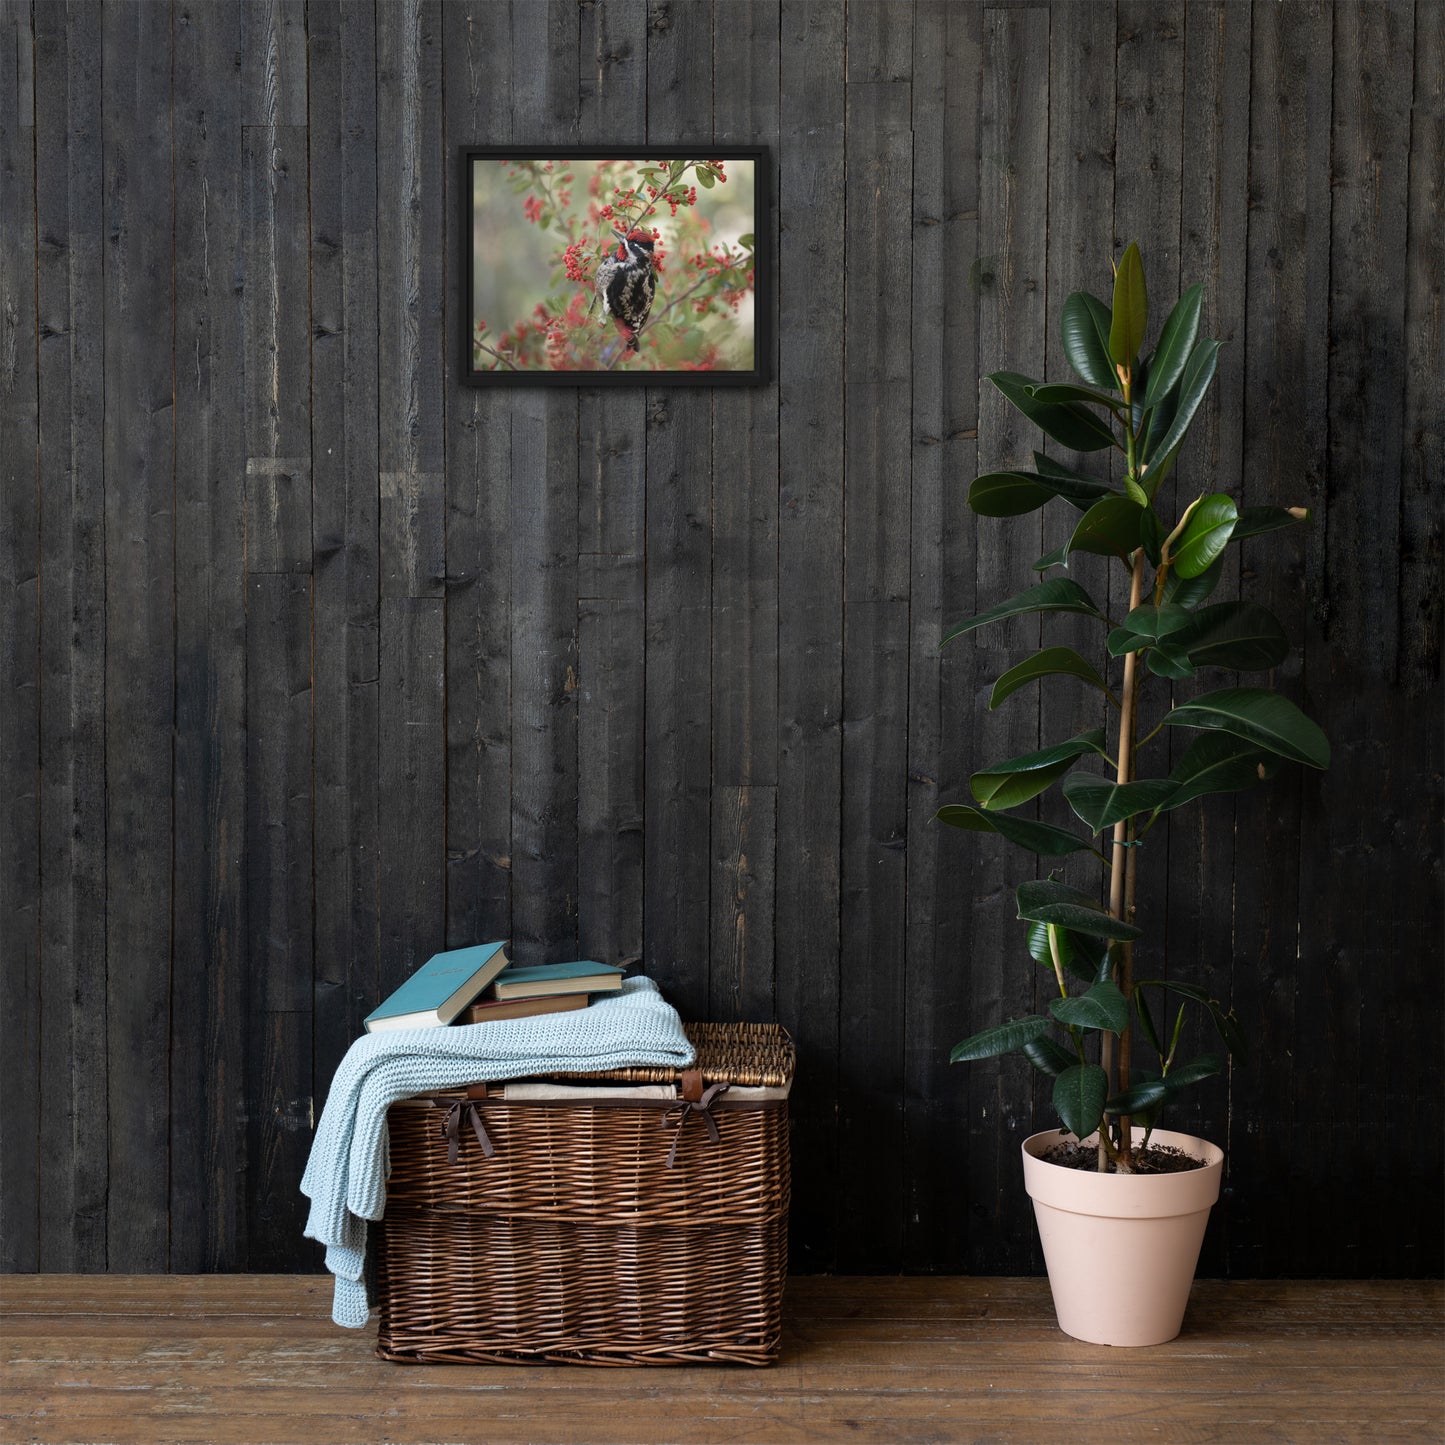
[749, 1055]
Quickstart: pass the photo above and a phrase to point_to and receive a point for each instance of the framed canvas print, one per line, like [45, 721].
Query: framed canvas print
[594, 266]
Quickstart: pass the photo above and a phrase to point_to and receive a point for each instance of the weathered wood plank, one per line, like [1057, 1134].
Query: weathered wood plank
[279, 915]
[744, 583]
[209, 984]
[810, 603]
[410, 294]
[947, 70]
[611, 545]
[1286, 366]
[412, 791]
[139, 624]
[1212, 251]
[676, 863]
[1350, 664]
[341, 79]
[543, 515]
[1012, 280]
[278, 343]
[20, 838]
[876, 501]
[477, 54]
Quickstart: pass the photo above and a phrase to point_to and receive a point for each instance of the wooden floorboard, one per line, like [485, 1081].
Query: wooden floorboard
[206, 1360]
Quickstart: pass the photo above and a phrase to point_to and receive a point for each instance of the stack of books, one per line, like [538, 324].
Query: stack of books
[477, 985]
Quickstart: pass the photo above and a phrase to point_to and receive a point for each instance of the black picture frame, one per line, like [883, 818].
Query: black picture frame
[762, 289]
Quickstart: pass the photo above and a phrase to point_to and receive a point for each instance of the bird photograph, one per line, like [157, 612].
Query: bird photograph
[583, 264]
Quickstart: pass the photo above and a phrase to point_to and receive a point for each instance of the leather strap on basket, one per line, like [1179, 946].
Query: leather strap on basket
[453, 1129]
[680, 1113]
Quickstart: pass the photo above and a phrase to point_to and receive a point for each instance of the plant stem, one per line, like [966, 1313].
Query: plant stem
[1121, 869]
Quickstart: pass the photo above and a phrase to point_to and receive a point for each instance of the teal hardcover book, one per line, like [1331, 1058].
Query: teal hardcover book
[584, 976]
[440, 989]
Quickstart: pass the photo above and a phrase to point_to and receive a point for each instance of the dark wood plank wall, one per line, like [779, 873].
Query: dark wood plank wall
[314, 661]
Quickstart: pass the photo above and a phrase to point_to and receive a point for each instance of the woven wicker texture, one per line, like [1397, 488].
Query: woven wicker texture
[576, 1242]
[757, 1055]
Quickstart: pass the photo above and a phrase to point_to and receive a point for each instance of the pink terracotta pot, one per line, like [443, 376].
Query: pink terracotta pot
[1121, 1248]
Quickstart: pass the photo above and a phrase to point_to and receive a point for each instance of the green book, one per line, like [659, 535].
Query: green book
[548, 978]
[440, 989]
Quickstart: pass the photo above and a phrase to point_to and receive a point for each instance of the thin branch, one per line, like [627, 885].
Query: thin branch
[482, 346]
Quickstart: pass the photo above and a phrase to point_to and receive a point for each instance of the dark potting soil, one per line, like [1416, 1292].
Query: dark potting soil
[1156, 1159]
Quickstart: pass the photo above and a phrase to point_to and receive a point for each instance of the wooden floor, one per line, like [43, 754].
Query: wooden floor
[161, 1360]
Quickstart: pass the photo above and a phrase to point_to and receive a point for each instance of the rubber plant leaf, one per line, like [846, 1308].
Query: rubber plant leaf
[1136, 1099]
[1042, 900]
[1103, 1007]
[1176, 341]
[1048, 1057]
[1198, 373]
[1255, 521]
[1110, 528]
[1060, 594]
[1258, 716]
[1100, 803]
[1130, 316]
[1215, 763]
[1001, 1039]
[1084, 330]
[1041, 838]
[1013, 494]
[1072, 426]
[1079, 954]
[1051, 662]
[1206, 534]
[1015, 781]
[1068, 391]
[1242, 636]
[1079, 1095]
[1206, 1066]
[1191, 591]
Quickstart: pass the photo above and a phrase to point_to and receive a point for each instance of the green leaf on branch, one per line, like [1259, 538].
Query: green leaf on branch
[1072, 426]
[1068, 391]
[1206, 1066]
[1139, 1097]
[1100, 804]
[1168, 659]
[1051, 662]
[1150, 623]
[1041, 838]
[746, 241]
[1215, 763]
[1198, 373]
[1048, 1057]
[1079, 1094]
[705, 177]
[1007, 784]
[1041, 900]
[1059, 557]
[1084, 957]
[1012, 494]
[1225, 1022]
[1240, 635]
[1258, 716]
[1110, 528]
[1206, 534]
[1001, 1039]
[1103, 1007]
[1191, 591]
[1255, 521]
[1058, 595]
[1085, 333]
[1130, 316]
[1176, 341]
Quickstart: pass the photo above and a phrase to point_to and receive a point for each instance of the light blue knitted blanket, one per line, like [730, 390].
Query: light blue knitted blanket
[346, 1174]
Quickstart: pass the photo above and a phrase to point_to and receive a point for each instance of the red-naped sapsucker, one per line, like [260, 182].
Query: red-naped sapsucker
[627, 282]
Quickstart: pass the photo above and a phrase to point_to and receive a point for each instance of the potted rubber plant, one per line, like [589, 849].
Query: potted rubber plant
[1121, 1204]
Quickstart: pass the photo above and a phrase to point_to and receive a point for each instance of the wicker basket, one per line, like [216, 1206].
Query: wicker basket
[627, 1232]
